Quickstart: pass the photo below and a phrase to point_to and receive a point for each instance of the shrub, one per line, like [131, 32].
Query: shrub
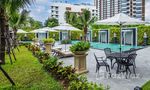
[80, 46]
[82, 84]
[50, 63]
[75, 35]
[21, 37]
[66, 41]
[42, 56]
[66, 74]
[56, 37]
[50, 40]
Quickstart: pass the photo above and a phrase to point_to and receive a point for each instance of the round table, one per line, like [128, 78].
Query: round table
[118, 57]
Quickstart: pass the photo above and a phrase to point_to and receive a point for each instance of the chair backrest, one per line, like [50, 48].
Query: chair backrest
[107, 51]
[131, 58]
[96, 58]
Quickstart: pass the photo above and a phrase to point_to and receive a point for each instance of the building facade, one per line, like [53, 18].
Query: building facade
[57, 10]
[108, 8]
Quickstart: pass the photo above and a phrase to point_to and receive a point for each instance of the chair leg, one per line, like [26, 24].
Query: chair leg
[117, 69]
[96, 68]
[109, 71]
[134, 70]
[106, 69]
[111, 63]
[129, 71]
[126, 72]
[134, 64]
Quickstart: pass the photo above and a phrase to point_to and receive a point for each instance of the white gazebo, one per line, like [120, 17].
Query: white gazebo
[64, 30]
[121, 19]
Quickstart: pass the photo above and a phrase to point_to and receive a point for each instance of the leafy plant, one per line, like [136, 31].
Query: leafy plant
[82, 84]
[80, 46]
[49, 40]
[50, 63]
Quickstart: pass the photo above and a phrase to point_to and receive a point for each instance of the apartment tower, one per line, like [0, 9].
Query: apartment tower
[108, 8]
[58, 10]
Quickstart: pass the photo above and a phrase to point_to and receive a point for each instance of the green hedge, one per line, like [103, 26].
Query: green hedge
[75, 35]
[141, 31]
[116, 29]
[30, 36]
[51, 35]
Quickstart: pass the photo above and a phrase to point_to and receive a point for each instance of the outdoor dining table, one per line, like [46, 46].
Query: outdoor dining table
[119, 56]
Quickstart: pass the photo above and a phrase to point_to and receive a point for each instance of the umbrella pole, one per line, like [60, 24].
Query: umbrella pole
[120, 38]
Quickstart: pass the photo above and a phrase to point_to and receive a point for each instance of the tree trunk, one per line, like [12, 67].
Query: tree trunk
[85, 32]
[2, 36]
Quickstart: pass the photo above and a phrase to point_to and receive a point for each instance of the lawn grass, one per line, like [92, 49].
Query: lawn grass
[146, 86]
[27, 73]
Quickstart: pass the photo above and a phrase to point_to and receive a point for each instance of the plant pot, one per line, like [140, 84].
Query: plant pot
[80, 63]
[48, 48]
[80, 52]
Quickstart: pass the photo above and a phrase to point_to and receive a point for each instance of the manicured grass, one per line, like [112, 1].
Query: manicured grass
[146, 86]
[27, 73]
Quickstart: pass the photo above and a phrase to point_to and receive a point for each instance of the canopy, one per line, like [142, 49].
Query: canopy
[21, 31]
[43, 30]
[65, 27]
[121, 19]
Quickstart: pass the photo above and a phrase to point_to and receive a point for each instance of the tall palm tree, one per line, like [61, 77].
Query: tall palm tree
[85, 20]
[16, 20]
[7, 7]
[80, 20]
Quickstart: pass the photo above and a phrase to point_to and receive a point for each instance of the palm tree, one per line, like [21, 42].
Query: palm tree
[7, 7]
[85, 20]
[16, 20]
[80, 20]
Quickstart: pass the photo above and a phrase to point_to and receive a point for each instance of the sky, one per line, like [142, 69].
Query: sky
[40, 10]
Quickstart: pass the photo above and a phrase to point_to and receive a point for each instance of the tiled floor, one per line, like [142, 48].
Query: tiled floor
[117, 82]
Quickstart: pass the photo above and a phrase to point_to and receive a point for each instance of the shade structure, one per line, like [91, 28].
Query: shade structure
[43, 30]
[21, 31]
[65, 27]
[47, 29]
[37, 31]
[121, 19]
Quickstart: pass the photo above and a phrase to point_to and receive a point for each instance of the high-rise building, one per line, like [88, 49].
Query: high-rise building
[58, 10]
[108, 8]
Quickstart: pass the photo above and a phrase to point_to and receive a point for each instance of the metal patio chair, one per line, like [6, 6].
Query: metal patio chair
[101, 62]
[128, 63]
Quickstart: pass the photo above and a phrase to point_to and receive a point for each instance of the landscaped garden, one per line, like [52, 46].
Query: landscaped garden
[27, 73]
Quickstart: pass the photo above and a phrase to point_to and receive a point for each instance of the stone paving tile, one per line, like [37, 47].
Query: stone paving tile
[116, 83]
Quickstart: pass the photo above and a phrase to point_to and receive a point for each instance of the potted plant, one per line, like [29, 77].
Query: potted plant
[80, 48]
[80, 52]
[48, 44]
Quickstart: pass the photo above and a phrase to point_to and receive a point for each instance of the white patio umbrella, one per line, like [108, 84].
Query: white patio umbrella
[121, 19]
[21, 31]
[47, 29]
[65, 27]
[43, 30]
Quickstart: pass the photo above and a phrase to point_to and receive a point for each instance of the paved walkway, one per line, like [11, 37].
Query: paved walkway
[116, 82]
